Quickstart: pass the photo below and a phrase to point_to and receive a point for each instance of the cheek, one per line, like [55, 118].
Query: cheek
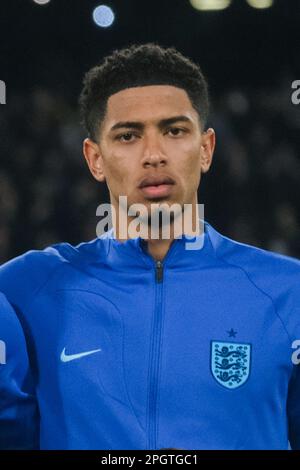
[116, 168]
[185, 149]
[120, 171]
[189, 161]
[190, 172]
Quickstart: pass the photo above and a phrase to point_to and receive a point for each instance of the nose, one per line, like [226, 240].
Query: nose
[153, 154]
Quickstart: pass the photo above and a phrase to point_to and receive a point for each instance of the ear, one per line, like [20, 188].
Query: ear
[92, 154]
[207, 149]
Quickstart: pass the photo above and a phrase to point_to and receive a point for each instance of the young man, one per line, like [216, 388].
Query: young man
[141, 343]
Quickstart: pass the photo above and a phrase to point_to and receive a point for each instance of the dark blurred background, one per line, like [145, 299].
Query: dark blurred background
[250, 57]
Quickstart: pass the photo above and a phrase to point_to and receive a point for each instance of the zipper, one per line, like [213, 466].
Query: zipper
[155, 356]
[159, 269]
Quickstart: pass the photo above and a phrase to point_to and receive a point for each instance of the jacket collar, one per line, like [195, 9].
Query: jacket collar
[132, 252]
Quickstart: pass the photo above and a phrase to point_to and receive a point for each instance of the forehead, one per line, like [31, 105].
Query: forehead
[147, 103]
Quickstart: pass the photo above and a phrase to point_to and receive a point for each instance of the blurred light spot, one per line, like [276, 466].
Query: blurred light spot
[103, 16]
[260, 3]
[41, 2]
[206, 5]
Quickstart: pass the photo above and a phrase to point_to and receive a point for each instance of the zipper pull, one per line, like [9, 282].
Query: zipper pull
[159, 271]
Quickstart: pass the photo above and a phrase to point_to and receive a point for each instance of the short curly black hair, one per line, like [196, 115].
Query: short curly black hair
[139, 65]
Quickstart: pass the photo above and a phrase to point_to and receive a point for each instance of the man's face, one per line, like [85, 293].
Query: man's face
[151, 135]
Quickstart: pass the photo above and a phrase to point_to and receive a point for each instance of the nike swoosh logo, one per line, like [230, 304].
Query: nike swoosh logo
[71, 357]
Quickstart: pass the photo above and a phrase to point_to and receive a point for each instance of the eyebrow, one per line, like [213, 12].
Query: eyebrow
[140, 126]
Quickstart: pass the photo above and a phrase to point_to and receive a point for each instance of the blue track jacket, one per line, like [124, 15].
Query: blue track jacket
[200, 351]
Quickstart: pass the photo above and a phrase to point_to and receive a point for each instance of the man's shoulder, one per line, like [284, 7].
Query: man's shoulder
[33, 260]
[252, 258]
[25, 274]
[275, 276]
[273, 273]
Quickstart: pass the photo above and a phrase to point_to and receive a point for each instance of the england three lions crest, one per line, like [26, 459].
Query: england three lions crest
[230, 363]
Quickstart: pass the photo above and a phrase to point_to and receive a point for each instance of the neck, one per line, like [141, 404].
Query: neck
[159, 241]
[158, 248]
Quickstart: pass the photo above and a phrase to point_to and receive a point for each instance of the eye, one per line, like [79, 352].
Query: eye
[176, 131]
[126, 137]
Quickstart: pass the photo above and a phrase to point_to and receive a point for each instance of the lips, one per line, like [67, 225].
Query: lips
[156, 181]
[156, 186]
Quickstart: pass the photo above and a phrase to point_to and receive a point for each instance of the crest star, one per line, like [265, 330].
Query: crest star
[232, 333]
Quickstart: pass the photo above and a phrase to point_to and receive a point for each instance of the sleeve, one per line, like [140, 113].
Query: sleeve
[19, 417]
[293, 405]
